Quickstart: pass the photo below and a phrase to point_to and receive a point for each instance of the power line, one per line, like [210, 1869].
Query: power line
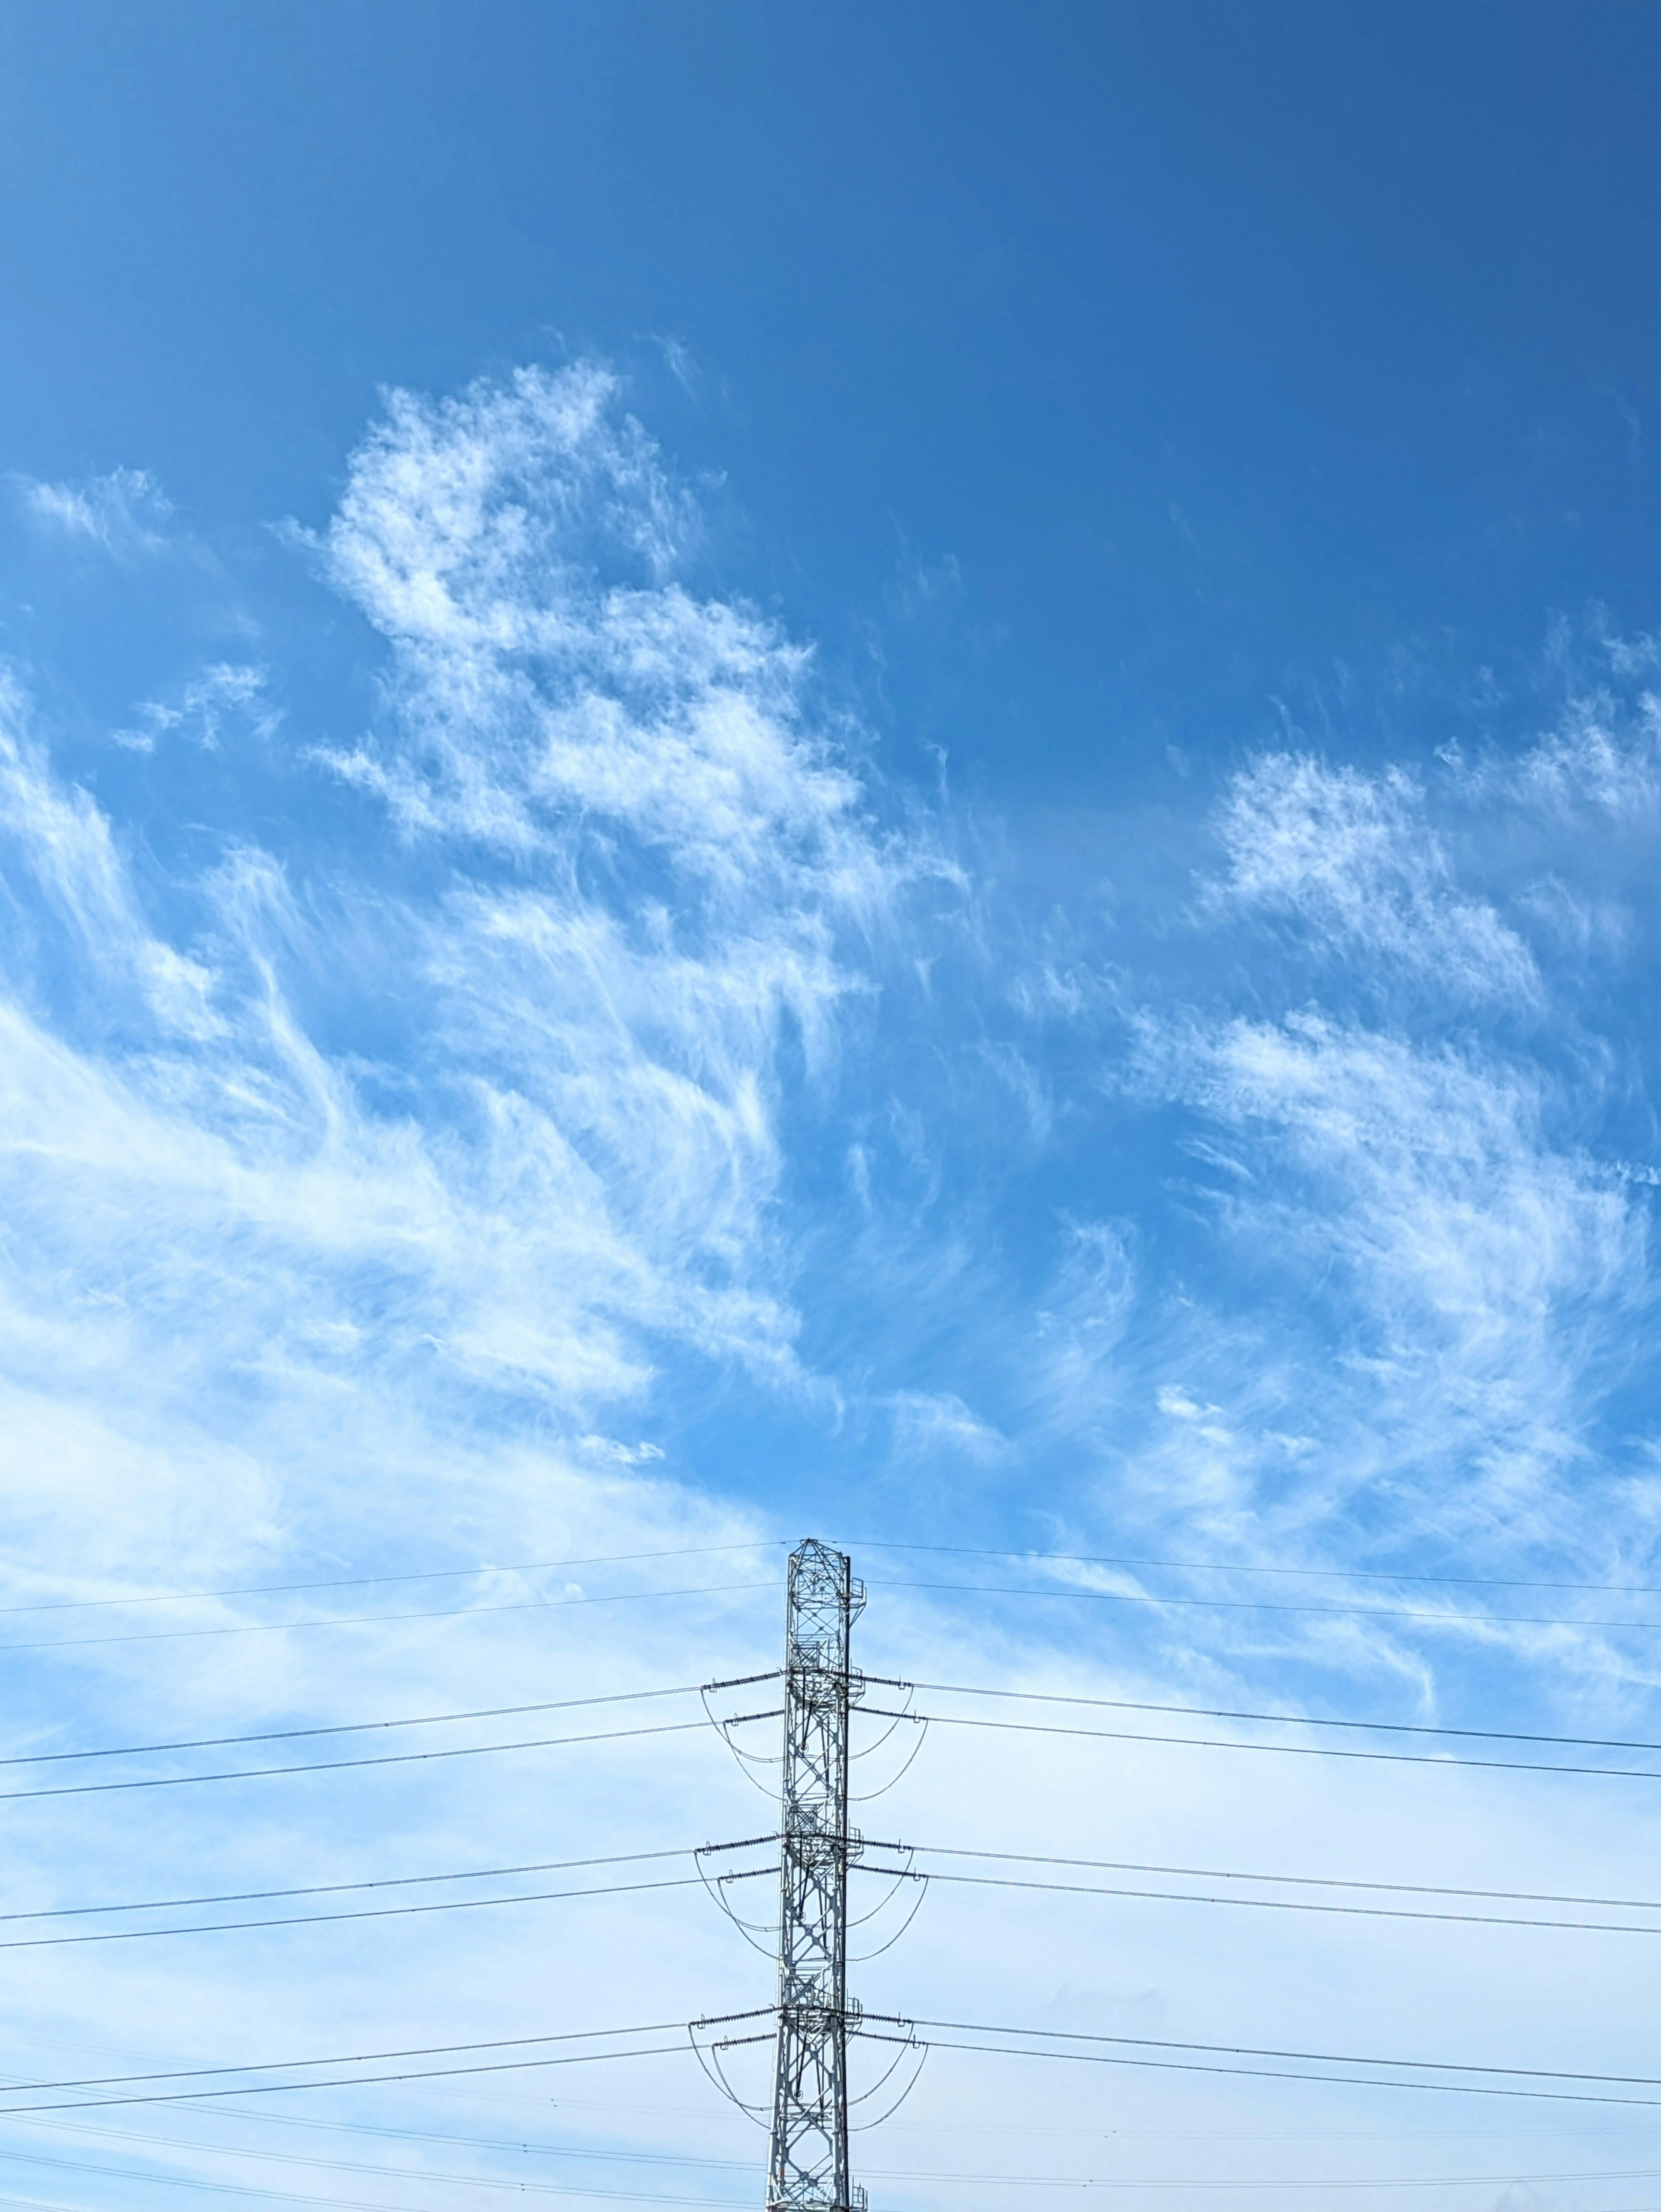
[676, 2050]
[680, 1728]
[956, 1689]
[1390, 2181]
[774, 1543]
[356, 2204]
[340, 2058]
[521, 2148]
[365, 1619]
[738, 2166]
[355, 1728]
[366, 1582]
[337, 1888]
[1028, 2050]
[940, 1851]
[1282, 2074]
[312, 2123]
[689, 1881]
[288, 2119]
[348, 2080]
[1286, 1750]
[1296, 1720]
[692, 1689]
[364, 1912]
[342, 1766]
[1312, 1881]
[1285, 1905]
[1310, 2058]
[1235, 1567]
[1270, 1605]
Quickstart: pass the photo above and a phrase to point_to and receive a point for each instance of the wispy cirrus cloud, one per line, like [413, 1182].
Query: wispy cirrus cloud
[399, 1165]
[538, 688]
[559, 1167]
[225, 694]
[1427, 1268]
[1351, 861]
[1472, 1263]
[64, 845]
[125, 514]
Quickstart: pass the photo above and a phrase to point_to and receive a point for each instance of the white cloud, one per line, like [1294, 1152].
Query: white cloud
[936, 1424]
[1079, 1374]
[1351, 859]
[1598, 760]
[1176, 1401]
[1425, 1289]
[125, 514]
[225, 693]
[373, 1214]
[535, 692]
[65, 844]
[560, 1169]
[1482, 1260]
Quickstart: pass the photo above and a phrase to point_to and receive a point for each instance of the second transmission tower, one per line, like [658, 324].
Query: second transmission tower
[807, 2157]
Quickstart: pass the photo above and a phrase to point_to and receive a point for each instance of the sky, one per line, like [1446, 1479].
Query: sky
[888, 774]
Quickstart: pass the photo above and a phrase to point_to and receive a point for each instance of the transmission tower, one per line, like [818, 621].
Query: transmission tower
[807, 2156]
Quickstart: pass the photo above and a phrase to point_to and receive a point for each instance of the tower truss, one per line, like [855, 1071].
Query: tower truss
[808, 2151]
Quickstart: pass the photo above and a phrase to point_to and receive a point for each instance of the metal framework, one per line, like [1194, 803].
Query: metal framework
[807, 2154]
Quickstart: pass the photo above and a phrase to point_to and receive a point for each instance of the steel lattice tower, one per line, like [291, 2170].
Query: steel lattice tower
[807, 2157]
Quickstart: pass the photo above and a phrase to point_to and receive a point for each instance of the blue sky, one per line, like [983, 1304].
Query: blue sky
[893, 773]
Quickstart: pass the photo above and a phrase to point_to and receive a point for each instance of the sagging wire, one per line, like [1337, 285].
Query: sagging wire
[921, 1720]
[910, 2042]
[900, 1874]
[708, 2055]
[921, 1882]
[753, 1931]
[857, 1697]
[710, 2059]
[747, 1760]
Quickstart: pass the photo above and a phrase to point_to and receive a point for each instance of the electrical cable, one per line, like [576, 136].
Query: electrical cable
[366, 1582]
[520, 2146]
[335, 2203]
[358, 2204]
[924, 1876]
[1295, 1720]
[1274, 1905]
[1284, 2073]
[343, 2059]
[1025, 2049]
[362, 1913]
[348, 2080]
[341, 1766]
[520, 2149]
[539, 1897]
[868, 2023]
[1303, 1880]
[355, 1728]
[365, 1619]
[1269, 1605]
[693, 1689]
[1260, 2051]
[1391, 2181]
[739, 2166]
[1226, 1567]
[337, 1888]
[1277, 2073]
[1285, 1750]
[866, 1544]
